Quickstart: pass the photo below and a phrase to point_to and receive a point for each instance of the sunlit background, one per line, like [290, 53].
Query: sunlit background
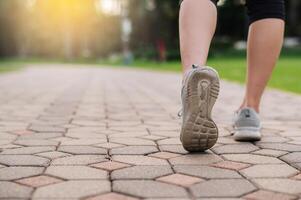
[131, 32]
[99, 28]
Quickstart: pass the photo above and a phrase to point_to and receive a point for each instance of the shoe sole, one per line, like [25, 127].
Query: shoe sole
[247, 134]
[199, 132]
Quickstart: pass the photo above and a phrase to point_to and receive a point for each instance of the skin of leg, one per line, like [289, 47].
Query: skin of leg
[197, 25]
[264, 46]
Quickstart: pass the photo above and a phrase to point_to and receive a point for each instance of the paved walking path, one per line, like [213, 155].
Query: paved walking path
[112, 134]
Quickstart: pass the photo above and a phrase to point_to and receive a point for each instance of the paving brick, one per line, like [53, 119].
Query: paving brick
[252, 159]
[272, 171]
[134, 150]
[22, 132]
[76, 172]
[298, 176]
[180, 179]
[79, 160]
[195, 159]
[222, 188]
[170, 141]
[28, 150]
[270, 152]
[281, 146]
[263, 195]
[288, 186]
[82, 142]
[87, 135]
[173, 149]
[153, 137]
[164, 155]
[230, 165]
[292, 157]
[139, 160]
[235, 148]
[272, 139]
[148, 188]
[82, 150]
[206, 171]
[109, 145]
[13, 173]
[141, 172]
[53, 154]
[47, 129]
[9, 190]
[36, 136]
[36, 142]
[72, 189]
[112, 196]
[23, 160]
[132, 141]
[110, 165]
[38, 181]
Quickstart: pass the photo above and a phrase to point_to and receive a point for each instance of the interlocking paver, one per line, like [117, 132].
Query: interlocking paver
[288, 186]
[222, 188]
[206, 171]
[23, 160]
[139, 160]
[33, 136]
[263, 195]
[78, 160]
[53, 154]
[82, 150]
[270, 152]
[132, 141]
[252, 159]
[281, 146]
[231, 165]
[112, 196]
[12, 173]
[28, 150]
[10, 190]
[180, 179]
[72, 189]
[273, 171]
[148, 188]
[164, 155]
[95, 128]
[134, 150]
[109, 145]
[85, 141]
[110, 165]
[36, 142]
[38, 181]
[76, 172]
[294, 157]
[141, 172]
[173, 149]
[235, 148]
[196, 159]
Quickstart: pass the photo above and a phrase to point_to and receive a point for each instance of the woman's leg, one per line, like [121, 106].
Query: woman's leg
[197, 26]
[264, 45]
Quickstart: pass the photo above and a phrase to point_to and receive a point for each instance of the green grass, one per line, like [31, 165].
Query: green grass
[286, 76]
[8, 66]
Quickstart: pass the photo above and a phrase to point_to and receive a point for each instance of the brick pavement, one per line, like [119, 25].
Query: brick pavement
[90, 133]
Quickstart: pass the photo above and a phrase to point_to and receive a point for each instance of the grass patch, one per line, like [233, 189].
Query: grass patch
[286, 76]
[8, 66]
